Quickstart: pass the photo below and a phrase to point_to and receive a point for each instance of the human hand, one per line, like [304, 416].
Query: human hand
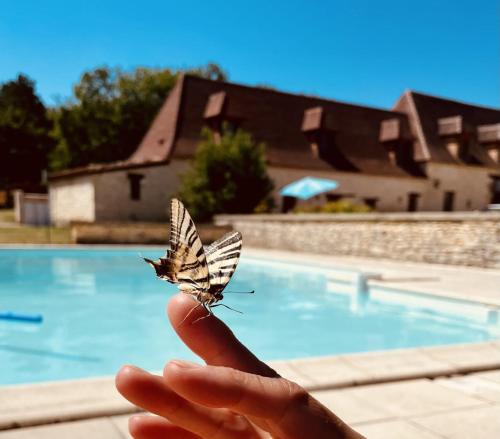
[234, 396]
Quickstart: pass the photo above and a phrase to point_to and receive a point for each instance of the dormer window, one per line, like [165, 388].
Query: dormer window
[312, 125]
[392, 157]
[456, 135]
[450, 126]
[489, 134]
[217, 115]
[494, 155]
[489, 138]
[315, 149]
[320, 129]
[135, 185]
[394, 135]
[390, 130]
[453, 148]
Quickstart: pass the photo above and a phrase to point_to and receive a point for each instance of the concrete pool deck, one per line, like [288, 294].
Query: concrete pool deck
[431, 392]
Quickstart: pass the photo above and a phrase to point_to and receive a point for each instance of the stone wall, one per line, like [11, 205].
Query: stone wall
[455, 238]
[136, 233]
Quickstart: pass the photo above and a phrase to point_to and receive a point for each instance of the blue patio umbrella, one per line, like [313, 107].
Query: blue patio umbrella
[308, 187]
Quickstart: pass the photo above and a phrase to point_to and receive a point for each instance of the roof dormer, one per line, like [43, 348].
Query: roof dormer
[451, 126]
[395, 136]
[217, 113]
[215, 105]
[390, 131]
[489, 134]
[455, 135]
[320, 129]
[489, 137]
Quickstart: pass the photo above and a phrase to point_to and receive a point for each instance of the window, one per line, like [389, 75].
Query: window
[495, 195]
[371, 202]
[288, 203]
[449, 198]
[333, 197]
[135, 185]
[413, 201]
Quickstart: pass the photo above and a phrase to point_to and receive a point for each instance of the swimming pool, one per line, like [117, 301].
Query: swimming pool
[104, 307]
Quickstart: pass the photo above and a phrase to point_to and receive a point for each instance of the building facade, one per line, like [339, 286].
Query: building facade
[426, 154]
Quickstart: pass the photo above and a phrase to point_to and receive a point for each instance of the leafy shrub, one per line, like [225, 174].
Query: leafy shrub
[229, 176]
[340, 206]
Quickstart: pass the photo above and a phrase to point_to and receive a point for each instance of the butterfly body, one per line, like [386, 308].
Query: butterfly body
[202, 272]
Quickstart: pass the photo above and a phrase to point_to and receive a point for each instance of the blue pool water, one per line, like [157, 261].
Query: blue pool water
[103, 308]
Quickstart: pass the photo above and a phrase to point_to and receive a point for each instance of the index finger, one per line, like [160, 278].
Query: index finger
[210, 338]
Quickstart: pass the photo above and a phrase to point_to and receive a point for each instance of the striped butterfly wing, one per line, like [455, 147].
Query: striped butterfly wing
[186, 250]
[185, 262]
[222, 258]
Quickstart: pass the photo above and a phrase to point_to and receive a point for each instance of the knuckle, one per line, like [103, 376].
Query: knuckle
[237, 377]
[232, 427]
[295, 397]
[296, 393]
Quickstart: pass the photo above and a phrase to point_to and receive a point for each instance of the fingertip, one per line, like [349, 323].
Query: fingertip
[169, 369]
[123, 374]
[176, 367]
[128, 370]
[178, 307]
[134, 424]
[183, 310]
[126, 377]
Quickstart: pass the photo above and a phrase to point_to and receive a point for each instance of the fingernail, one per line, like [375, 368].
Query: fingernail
[185, 364]
[130, 368]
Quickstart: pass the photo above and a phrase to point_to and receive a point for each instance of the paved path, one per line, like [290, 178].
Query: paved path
[432, 392]
[460, 407]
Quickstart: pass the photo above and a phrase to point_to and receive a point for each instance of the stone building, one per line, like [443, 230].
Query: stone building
[426, 154]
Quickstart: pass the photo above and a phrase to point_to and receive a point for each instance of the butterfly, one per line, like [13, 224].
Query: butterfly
[202, 272]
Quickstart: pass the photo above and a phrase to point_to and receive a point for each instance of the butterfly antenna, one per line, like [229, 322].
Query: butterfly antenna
[149, 261]
[239, 292]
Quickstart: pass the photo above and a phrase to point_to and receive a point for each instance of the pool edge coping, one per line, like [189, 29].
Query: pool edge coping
[28, 405]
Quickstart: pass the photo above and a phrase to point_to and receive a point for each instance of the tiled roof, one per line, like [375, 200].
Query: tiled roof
[275, 118]
[427, 113]
[158, 142]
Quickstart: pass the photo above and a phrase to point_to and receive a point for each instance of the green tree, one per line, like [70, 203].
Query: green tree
[111, 111]
[229, 176]
[24, 134]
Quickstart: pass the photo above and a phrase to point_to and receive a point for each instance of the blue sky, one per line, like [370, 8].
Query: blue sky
[361, 51]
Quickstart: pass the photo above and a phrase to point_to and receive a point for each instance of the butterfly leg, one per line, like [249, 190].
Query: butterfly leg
[207, 308]
[190, 312]
[228, 307]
